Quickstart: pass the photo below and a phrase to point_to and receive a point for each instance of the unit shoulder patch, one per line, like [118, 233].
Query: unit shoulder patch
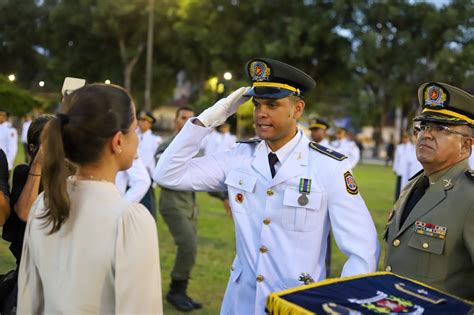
[250, 141]
[351, 185]
[470, 174]
[326, 151]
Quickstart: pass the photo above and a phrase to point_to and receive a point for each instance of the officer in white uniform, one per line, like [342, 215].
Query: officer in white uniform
[282, 208]
[405, 163]
[24, 133]
[147, 145]
[8, 139]
[133, 183]
[346, 147]
[148, 142]
[220, 139]
[319, 128]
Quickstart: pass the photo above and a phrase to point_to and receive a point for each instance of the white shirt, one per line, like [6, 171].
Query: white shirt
[148, 143]
[24, 131]
[103, 260]
[9, 142]
[277, 238]
[285, 150]
[217, 142]
[405, 163]
[349, 148]
[471, 159]
[133, 183]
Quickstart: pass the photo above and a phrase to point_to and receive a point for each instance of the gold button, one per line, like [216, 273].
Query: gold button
[396, 242]
[388, 268]
[259, 278]
[263, 249]
[270, 192]
[266, 221]
[425, 245]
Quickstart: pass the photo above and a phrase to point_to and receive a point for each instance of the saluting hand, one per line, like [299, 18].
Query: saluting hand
[218, 113]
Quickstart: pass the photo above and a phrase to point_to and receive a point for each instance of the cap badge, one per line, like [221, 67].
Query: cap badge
[435, 96]
[259, 71]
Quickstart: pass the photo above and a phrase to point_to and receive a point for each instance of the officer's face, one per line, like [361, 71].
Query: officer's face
[144, 125]
[181, 118]
[275, 119]
[3, 117]
[318, 134]
[437, 148]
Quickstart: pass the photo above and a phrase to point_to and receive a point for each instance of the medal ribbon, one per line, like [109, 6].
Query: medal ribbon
[305, 185]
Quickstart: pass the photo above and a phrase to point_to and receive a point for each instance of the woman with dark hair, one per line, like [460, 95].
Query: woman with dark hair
[86, 249]
[26, 185]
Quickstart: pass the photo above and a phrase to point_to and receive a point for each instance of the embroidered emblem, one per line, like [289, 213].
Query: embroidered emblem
[259, 71]
[331, 153]
[239, 198]
[435, 95]
[430, 229]
[351, 185]
[388, 304]
[333, 308]
[447, 183]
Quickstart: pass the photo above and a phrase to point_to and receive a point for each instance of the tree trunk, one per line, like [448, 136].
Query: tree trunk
[129, 63]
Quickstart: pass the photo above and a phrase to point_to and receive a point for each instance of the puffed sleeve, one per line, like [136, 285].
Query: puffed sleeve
[352, 225]
[30, 287]
[137, 264]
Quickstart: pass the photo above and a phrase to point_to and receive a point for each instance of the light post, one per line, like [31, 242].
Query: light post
[11, 77]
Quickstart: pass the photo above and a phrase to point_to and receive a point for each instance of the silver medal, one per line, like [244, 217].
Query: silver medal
[303, 200]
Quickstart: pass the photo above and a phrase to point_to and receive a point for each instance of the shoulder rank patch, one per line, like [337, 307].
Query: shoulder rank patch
[421, 171]
[251, 140]
[326, 151]
[470, 174]
[351, 185]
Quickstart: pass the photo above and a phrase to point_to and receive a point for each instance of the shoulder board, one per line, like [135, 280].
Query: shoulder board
[470, 174]
[249, 141]
[326, 151]
[420, 172]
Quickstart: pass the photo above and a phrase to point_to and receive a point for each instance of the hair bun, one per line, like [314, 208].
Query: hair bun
[63, 118]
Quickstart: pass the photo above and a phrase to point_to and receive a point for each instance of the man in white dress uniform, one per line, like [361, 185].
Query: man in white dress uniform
[285, 191]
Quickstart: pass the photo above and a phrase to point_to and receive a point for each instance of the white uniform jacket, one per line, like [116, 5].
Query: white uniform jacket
[405, 163]
[133, 184]
[277, 238]
[9, 142]
[349, 148]
[148, 143]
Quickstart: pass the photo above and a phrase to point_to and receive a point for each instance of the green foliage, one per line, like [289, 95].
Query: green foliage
[16, 100]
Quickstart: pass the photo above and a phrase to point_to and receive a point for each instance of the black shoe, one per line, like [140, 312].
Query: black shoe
[180, 301]
[196, 304]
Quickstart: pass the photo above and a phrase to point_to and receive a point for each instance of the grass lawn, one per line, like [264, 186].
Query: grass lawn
[216, 239]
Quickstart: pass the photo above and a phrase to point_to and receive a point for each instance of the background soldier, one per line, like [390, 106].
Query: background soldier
[347, 147]
[430, 233]
[180, 212]
[147, 146]
[319, 129]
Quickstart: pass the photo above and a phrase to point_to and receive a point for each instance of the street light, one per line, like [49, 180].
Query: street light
[107, 81]
[41, 83]
[11, 77]
[228, 76]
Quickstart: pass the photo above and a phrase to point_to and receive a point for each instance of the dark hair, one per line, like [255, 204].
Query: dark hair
[89, 117]
[186, 108]
[34, 132]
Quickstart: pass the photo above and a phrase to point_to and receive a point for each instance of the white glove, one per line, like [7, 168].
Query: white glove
[218, 113]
